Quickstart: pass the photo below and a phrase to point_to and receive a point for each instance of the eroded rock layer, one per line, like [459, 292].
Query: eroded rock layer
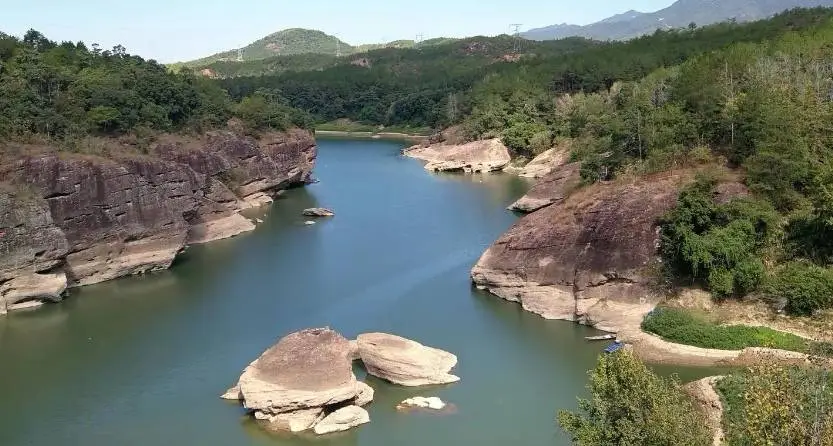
[88, 219]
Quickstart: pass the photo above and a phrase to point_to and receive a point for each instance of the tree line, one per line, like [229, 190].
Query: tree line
[60, 92]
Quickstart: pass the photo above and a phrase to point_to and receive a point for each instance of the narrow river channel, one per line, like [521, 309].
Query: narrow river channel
[142, 361]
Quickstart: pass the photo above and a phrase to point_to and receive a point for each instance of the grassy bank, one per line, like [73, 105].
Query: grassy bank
[345, 126]
[697, 329]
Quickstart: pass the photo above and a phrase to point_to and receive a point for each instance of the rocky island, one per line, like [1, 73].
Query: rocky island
[306, 380]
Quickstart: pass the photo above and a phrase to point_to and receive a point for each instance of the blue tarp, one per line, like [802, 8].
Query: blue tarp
[614, 347]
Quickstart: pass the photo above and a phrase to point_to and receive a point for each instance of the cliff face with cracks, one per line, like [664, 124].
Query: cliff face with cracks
[70, 220]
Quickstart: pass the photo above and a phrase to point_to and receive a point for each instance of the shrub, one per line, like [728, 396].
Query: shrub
[777, 405]
[806, 287]
[718, 243]
[631, 405]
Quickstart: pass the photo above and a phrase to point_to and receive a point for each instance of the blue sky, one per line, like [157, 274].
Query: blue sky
[171, 30]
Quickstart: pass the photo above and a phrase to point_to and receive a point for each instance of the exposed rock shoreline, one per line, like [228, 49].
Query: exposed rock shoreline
[72, 220]
[590, 255]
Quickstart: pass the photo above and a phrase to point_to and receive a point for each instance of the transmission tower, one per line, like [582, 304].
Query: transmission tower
[516, 31]
[418, 40]
[338, 47]
[240, 54]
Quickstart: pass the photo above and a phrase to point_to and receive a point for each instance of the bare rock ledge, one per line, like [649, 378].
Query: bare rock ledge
[478, 156]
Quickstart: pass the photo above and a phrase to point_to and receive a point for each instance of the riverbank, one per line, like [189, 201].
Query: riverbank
[389, 136]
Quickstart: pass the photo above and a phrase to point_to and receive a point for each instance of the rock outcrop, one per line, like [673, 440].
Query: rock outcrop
[545, 163]
[478, 156]
[91, 219]
[405, 362]
[421, 402]
[707, 398]
[554, 187]
[304, 380]
[584, 259]
[342, 420]
[317, 212]
[304, 370]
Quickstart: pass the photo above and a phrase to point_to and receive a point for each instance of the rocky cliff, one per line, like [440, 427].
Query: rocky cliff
[585, 258]
[72, 220]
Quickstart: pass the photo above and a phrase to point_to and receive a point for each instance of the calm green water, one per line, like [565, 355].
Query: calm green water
[142, 361]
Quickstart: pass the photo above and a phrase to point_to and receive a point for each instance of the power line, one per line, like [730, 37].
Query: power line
[516, 31]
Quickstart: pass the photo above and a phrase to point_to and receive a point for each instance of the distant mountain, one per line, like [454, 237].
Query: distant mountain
[680, 14]
[296, 41]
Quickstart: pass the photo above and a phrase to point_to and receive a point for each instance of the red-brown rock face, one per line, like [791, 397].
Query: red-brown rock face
[572, 259]
[95, 219]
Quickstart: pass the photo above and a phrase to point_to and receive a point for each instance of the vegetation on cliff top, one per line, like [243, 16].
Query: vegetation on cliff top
[61, 92]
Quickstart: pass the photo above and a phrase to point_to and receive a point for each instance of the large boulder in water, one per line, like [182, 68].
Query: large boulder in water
[405, 362]
[304, 370]
[554, 187]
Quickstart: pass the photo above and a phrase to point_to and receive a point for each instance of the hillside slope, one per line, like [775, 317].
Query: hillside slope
[678, 15]
[282, 43]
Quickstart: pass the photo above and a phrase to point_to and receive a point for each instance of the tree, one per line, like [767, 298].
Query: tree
[630, 405]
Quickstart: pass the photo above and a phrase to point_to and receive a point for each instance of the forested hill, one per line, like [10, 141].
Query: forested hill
[481, 84]
[271, 51]
[284, 43]
[679, 15]
[226, 65]
[60, 93]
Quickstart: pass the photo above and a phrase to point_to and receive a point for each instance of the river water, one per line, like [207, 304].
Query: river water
[142, 361]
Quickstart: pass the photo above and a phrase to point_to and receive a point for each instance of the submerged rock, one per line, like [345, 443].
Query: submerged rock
[478, 156]
[342, 420]
[421, 402]
[318, 212]
[307, 369]
[295, 421]
[405, 362]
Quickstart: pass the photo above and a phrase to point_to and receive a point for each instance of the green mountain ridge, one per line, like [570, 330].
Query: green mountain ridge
[298, 41]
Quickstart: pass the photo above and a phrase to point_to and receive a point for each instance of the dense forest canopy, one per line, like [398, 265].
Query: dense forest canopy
[484, 84]
[64, 91]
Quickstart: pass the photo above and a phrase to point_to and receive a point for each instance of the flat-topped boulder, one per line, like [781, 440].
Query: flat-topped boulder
[318, 212]
[405, 362]
[479, 156]
[552, 188]
[304, 370]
